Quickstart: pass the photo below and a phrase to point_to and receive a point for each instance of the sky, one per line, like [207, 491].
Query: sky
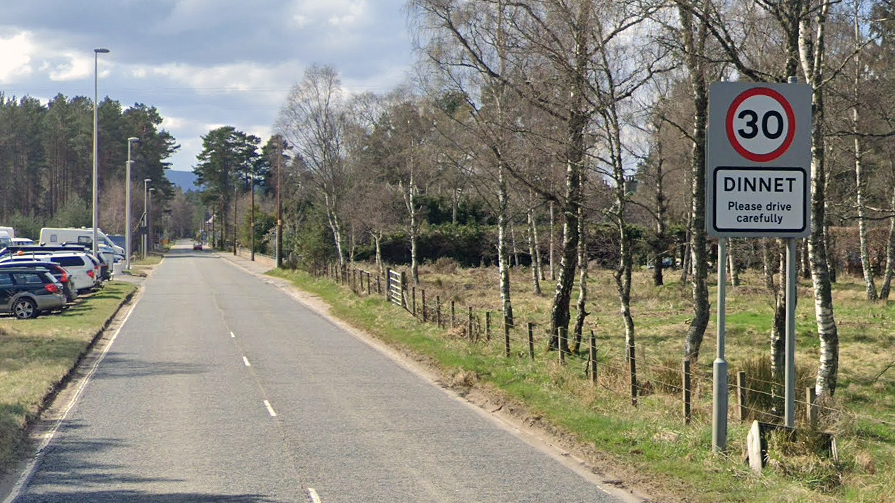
[202, 63]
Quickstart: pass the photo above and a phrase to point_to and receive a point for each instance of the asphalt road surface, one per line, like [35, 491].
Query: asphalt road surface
[219, 387]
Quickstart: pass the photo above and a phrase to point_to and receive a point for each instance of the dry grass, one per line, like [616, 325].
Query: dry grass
[860, 416]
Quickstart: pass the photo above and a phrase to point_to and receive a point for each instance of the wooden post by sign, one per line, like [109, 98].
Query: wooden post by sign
[811, 408]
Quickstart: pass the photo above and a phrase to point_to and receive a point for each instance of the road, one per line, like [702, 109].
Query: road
[219, 387]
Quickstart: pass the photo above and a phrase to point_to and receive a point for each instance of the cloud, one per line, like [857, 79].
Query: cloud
[335, 13]
[16, 58]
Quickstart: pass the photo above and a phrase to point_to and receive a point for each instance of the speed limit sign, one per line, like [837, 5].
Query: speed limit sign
[760, 124]
[759, 160]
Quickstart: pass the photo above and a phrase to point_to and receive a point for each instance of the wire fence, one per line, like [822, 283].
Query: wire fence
[627, 374]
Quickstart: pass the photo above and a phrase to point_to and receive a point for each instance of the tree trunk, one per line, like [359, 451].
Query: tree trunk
[767, 267]
[533, 251]
[552, 234]
[582, 283]
[890, 254]
[812, 55]
[503, 259]
[377, 240]
[694, 44]
[732, 264]
[778, 328]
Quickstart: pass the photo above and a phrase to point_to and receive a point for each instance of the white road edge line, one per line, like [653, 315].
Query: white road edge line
[312, 496]
[270, 409]
[48, 437]
[246, 361]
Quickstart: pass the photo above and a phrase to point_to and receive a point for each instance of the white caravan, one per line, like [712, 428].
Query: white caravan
[83, 236]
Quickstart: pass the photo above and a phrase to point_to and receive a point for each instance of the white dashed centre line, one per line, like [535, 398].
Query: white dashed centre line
[270, 409]
[246, 361]
[312, 496]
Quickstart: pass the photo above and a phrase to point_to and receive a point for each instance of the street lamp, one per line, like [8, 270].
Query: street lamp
[145, 214]
[96, 53]
[127, 208]
[148, 226]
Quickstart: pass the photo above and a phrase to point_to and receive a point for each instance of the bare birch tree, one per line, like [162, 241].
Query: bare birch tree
[312, 121]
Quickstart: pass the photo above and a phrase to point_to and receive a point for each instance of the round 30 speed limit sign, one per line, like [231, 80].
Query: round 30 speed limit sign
[760, 124]
[758, 165]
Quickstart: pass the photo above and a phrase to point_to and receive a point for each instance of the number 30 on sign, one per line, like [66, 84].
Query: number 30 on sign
[760, 124]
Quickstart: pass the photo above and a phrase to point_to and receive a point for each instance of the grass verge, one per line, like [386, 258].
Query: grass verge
[36, 356]
[650, 446]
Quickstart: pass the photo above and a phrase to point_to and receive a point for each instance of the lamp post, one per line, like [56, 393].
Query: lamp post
[96, 53]
[128, 245]
[145, 214]
[148, 221]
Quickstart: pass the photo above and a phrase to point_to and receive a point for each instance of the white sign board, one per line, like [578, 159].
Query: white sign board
[759, 160]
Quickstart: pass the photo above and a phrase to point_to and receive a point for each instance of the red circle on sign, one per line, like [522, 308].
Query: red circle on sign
[790, 117]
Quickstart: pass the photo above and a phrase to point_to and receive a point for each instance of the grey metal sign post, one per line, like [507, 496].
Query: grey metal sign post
[758, 184]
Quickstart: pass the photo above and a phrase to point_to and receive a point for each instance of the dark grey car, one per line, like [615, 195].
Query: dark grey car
[28, 292]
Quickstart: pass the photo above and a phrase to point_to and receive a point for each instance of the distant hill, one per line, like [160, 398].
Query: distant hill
[182, 179]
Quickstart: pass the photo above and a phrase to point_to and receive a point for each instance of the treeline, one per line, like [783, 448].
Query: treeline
[46, 161]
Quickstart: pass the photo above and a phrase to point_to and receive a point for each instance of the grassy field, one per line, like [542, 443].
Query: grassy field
[35, 355]
[650, 445]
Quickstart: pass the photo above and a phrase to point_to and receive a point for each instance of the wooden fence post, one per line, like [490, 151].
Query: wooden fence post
[378, 285]
[403, 290]
[686, 377]
[506, 336]
[388, 282]
[531, 340]
[438, 310]
[413, 301]
[742, 395]
[593, 358]
[423, 293]
[811, 407]
[369, 292]
[633, 361]
[562, 344]
[488, 326]
[453, 314]
[469, 324]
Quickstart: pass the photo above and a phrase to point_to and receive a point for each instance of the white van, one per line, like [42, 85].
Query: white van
[83, 236]
[8, 230]
[5, 239]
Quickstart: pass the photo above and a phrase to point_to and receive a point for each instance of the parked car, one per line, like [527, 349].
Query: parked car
[53, 268]
[27, 292]
[81, 267]
[197, 246]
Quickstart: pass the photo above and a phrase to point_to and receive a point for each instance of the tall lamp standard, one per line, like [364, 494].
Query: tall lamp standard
[148, 222]
[96, 53]
[145, 214]
[128, 245]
